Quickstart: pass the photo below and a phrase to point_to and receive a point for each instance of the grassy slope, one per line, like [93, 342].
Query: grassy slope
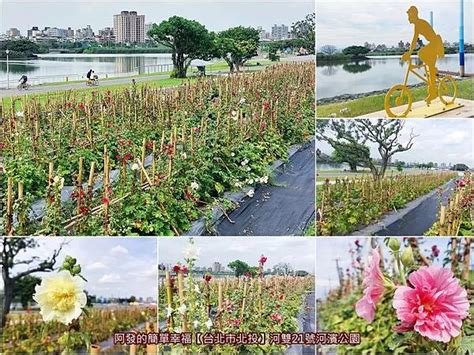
[375, 103]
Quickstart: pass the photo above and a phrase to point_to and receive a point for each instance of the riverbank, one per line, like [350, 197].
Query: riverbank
[353, 105]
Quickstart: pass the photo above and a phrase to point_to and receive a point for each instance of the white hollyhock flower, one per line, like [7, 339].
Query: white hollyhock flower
[184, 155]
[196, 324]
[20, 114]
[135, 166]
[208, 323]
[194, 185]
[196, 289]
[250, 181]
[244, 162]
[251, 192]
[191, 252]
[264, 179]
[232, 154]
[242, 101]
[238, 184]
[169, 311]
[61, 297]
[249, 168]
[182, 309]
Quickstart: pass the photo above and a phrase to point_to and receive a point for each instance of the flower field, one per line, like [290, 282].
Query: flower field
[28, 333]
[250, 303]
[142, 160]
[349, 204]
[404, 298]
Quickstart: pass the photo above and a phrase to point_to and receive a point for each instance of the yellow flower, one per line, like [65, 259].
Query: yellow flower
[61, 297]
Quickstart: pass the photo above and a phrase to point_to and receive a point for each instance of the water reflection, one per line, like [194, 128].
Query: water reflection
[17, 68]
[356, 67]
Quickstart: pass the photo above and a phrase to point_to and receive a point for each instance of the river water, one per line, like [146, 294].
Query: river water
[55, 67]
[377, 73]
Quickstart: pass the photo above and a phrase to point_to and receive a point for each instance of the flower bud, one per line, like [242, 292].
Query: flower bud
[76, 270]
[407, 258]
[394, 244]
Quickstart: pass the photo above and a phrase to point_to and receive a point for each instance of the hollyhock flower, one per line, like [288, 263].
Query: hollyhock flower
[169, 311]
[176, 268]
[182, 309]
[191, 252]
[251, 193]
[61, 297]
[236, 322]
[266, 105]
[135, 166]
[207, 277]
[277, 317]
[194, 185]
[434, 304]
[357, 243]
[435, 251]
[461, 183]
[196, 323]
[263, 259]
[374, 288]
[208, 324]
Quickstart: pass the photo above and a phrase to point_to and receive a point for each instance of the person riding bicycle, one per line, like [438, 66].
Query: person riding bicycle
[23, 80]
[90, 75]
[429, 53]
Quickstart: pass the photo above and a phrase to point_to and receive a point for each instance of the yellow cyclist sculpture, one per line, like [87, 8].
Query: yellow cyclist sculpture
[401, 94]
[430, 53]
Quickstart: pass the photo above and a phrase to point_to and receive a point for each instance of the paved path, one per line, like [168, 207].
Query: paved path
[285, 207]
[466, 111]
[41, 89]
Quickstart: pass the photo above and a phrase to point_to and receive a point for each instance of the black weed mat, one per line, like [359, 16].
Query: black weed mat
[286, 207]
[420, 219]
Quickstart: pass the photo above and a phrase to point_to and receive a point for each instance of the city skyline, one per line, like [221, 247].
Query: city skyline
[215, 16]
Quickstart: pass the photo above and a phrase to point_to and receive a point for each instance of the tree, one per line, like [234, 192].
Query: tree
[187, 39]
[237, 45]
[239, 267]
[306, 30]
[345, 153]
[460, 167]
[328, 49]
[355, 134]
[399, 166]
[283, 269]
[11, 249]
[356, 51]
[24, 289]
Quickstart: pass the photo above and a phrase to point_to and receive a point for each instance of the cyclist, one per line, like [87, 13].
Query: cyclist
[429, 53]
[22, 82]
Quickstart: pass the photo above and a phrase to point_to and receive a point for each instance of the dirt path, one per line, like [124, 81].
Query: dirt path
[285, 207]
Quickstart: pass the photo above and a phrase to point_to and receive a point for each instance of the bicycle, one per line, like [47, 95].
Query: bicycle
[92, 82]
[400, 94]
[23, 86]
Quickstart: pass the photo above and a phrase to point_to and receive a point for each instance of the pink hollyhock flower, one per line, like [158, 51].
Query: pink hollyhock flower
[434, 306]
[374, 288]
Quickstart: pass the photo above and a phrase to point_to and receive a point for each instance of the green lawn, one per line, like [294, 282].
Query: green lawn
[375, 103]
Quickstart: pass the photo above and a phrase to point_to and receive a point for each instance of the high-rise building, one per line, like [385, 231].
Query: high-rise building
[13, 33]
[216, 267]
[129, 27]
[279, 32]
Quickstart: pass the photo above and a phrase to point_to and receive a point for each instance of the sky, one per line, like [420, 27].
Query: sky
[438, 141]
[328, 249]
[114, 267]
[299, 252]
[347, 22]
[215, 15]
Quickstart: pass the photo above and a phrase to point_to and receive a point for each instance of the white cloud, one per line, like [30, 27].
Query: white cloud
[110, 278]
[118, 251]
[96, 266]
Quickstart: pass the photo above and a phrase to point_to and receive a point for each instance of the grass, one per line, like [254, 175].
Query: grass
[322, 175]
[375, 103]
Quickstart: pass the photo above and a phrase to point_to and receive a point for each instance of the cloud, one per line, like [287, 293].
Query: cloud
[96, 266]
[118, 251]
[110, 278]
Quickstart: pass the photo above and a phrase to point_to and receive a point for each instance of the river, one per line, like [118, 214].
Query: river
[55, 67]
[376, 73]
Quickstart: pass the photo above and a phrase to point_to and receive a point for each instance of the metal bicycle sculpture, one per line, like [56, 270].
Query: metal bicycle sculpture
[401, 94]
[399, 99]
